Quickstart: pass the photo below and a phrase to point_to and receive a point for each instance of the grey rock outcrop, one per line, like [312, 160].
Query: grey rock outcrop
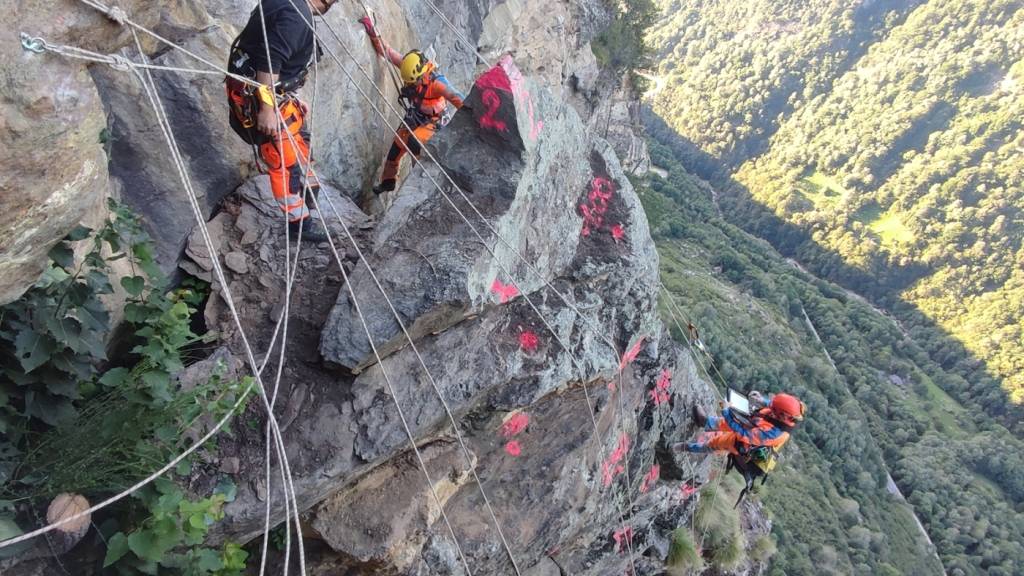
[557, 474]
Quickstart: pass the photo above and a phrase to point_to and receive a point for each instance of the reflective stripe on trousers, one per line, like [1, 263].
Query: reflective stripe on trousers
[285, 173]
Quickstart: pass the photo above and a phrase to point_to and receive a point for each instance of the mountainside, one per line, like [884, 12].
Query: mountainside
[874, 406]
[879, 144]
[884, 140]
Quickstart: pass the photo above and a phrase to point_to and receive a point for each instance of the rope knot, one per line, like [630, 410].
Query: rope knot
[117, 14]
[119, 62]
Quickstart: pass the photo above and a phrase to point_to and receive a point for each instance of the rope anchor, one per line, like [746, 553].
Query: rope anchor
[32, 43]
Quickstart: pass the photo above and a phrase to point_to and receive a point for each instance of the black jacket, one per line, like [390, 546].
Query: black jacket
[289, 35]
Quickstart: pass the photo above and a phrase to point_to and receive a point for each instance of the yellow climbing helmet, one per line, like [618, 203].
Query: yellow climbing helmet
[414, 66]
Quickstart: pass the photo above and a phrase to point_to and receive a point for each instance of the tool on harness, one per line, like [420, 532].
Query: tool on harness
[757, 463]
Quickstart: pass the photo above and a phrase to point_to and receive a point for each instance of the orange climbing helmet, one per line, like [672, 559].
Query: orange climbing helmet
[788, 407]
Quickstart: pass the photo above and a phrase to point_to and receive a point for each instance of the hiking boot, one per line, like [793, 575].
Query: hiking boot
[384, 186]
[311, 231]
[699, 416]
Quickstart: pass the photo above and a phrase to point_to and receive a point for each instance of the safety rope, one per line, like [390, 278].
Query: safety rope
[458, 33]
[287, 481]
[36, 46]
[673, 307]
[504, 270]
[380, 361]
[118, 62]
[282, 127]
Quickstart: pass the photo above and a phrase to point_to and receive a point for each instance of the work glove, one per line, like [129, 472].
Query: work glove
[368, 25]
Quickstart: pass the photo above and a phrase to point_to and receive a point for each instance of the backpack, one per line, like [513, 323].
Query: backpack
[757, 463]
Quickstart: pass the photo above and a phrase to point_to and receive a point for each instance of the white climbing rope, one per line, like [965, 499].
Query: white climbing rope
[387, 379]
[165, 126]
[696, 358]
[458, 33]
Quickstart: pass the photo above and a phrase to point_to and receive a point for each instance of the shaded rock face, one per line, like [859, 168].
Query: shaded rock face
[563, 439]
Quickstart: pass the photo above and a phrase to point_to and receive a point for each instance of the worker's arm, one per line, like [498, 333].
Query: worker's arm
[266, 119]
[448, 91]
[382, 49]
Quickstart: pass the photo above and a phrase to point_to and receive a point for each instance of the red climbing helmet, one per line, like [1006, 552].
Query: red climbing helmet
[787, 406]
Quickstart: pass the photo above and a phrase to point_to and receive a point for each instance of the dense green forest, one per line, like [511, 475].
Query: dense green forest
[878, 409]
[880, 144]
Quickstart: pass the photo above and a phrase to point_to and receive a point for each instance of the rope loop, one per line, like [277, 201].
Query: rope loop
[32, 43]
[117, 14]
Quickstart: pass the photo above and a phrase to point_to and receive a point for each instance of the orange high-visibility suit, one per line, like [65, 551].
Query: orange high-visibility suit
[427, 101]
[726, 433]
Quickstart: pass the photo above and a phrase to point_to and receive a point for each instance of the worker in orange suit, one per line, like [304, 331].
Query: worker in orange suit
[279, 64]
[770, 426]
[426, 93]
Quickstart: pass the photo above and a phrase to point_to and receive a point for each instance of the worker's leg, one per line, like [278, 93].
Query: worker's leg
[423, 135]
[389, 177]
[282, 159]
[714, 442]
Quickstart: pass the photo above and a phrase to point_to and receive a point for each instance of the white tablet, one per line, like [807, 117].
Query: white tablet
[738, 401]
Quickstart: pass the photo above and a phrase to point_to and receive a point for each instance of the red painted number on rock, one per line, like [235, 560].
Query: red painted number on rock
[593, 210]
[492, 101]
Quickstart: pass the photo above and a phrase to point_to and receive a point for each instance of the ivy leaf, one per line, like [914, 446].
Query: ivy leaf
[117, 547]
[209, 560]
[99, 282]
[227, 488]
[52, 275]
[33, 349]
[79, 233]
[67, 331]
[53, 410]
[61, 386]
[146, 545]
[8, 529]
[114, 377]
[158, 382]
[133, 285]
[62, 255]
[135, 313]
[184, 468]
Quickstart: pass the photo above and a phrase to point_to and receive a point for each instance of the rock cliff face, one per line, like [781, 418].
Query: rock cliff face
[548, 191]
[532, 300]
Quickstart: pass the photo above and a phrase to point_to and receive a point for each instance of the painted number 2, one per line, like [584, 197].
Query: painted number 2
[492, 101]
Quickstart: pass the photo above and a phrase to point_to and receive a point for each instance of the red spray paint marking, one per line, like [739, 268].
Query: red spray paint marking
[687, 490]
[618, 233]
[632, 353]
[528, 341]
[496, 78]
[515, 424]
[513, 448]
[506, 77]
[650, 479]
[612, 467]
[505, 292]
[492, 101]
[623, 538]
[593, 210]
[660, 394]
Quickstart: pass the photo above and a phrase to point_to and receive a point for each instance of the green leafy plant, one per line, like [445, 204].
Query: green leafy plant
[170, 537]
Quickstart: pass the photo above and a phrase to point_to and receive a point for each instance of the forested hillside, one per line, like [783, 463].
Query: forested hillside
[877, 409]
[878, 142]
